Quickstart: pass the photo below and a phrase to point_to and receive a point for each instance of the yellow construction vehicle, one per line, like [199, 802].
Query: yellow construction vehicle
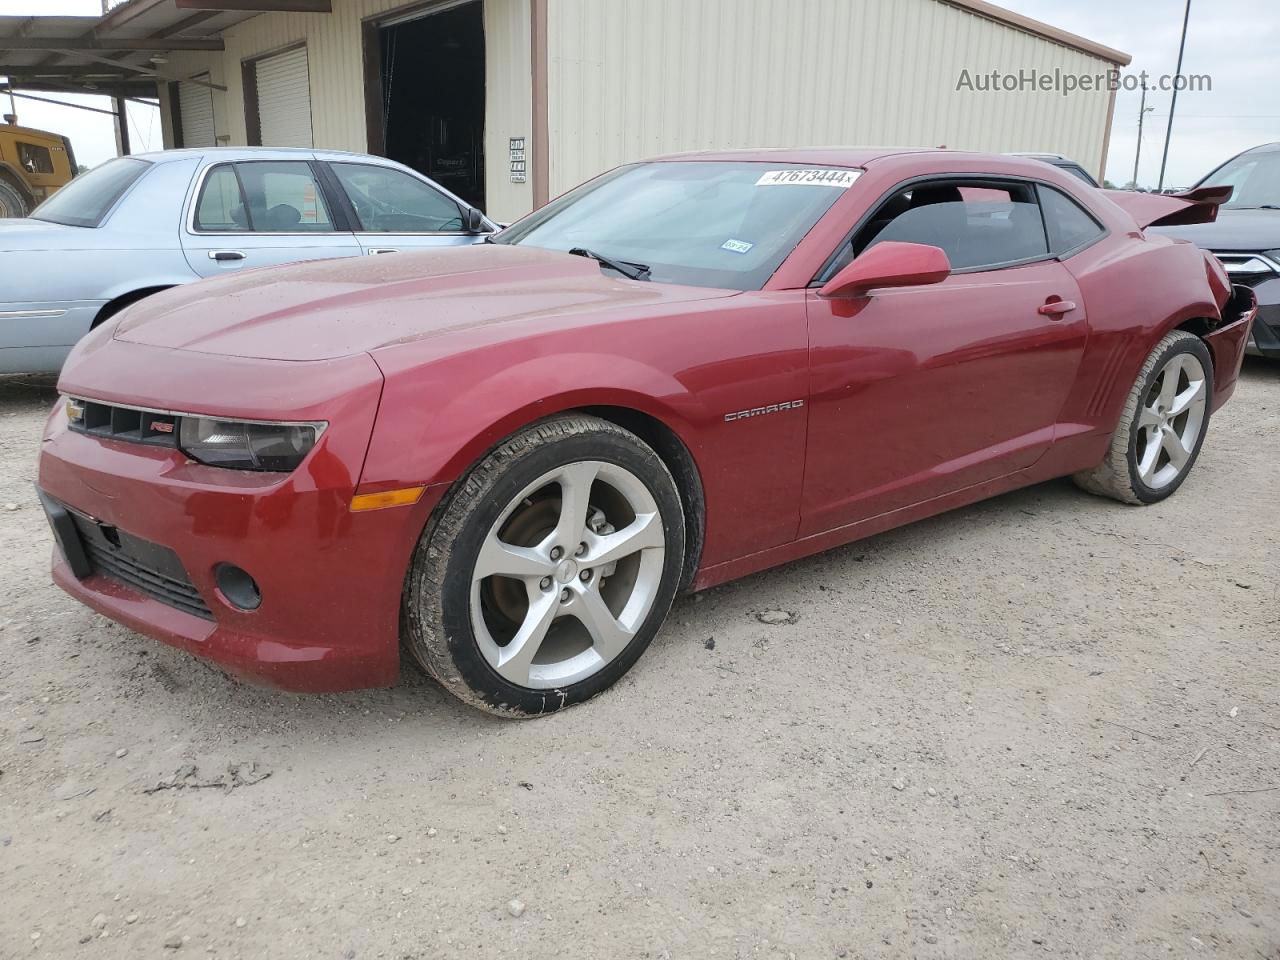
[33, 164]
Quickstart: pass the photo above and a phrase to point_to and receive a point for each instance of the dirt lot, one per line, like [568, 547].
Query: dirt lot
[1047, 725]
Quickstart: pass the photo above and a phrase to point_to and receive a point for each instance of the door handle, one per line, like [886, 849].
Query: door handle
[224, 255]
[1055, 309]
[374, 251]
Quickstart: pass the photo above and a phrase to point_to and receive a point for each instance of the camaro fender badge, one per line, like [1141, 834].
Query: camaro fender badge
[760, 411]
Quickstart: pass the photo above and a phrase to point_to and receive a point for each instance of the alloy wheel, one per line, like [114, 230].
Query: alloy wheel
[567, 574]
[1170, 421]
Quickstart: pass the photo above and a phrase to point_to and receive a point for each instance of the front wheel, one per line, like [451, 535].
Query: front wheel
[548, 569]
[1162, 428]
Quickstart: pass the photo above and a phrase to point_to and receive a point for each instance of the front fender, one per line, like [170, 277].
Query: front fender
[434, 424]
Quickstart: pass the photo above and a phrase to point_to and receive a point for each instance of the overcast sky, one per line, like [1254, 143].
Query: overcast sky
[1234, 41]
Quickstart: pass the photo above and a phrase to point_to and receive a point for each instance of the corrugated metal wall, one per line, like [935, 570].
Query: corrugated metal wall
[335, 51]
[633, 78]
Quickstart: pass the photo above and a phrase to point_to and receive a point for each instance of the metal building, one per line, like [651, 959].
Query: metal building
[510, 102]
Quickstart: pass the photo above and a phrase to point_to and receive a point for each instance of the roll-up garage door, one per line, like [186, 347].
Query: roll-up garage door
[195, 108]
[284, 99]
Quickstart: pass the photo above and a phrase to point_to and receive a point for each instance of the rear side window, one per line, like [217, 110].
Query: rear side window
[391, 201]
[979, 224]
[1070, 226]
[86, 200]
[35, 158]
[262, 196]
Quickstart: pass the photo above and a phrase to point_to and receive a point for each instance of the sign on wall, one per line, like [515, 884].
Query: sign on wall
[517, 160]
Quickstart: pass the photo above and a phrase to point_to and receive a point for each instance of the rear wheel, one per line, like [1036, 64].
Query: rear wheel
[548, 569]
[1163, 426]
[12, 202]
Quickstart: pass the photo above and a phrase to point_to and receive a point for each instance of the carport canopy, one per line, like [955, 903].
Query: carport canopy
[121, 54]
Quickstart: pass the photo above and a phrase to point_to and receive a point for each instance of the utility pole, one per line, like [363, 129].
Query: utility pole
[1173, 104]
[1143, 110]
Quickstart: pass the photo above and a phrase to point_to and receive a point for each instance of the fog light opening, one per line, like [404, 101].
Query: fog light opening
[237, 587]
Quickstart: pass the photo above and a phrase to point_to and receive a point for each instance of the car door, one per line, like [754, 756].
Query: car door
[920, 391]
[257, 213]
[393, 210]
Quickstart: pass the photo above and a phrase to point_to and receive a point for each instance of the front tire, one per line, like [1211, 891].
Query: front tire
[1162, 428]
[548, 569]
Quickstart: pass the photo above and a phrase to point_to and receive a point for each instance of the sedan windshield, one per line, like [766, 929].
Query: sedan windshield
[87, 199]
[698, 222]
[1256, 178]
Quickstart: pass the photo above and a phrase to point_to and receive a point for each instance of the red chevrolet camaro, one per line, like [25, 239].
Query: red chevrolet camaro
[507, 459]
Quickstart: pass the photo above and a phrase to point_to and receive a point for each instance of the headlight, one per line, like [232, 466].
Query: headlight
[246, 444]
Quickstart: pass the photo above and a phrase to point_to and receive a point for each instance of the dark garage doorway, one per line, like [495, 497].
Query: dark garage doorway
[430, 96]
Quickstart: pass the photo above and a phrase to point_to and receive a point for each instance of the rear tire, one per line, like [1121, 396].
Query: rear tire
[1162, 427]
[548, 569]
[12, 202]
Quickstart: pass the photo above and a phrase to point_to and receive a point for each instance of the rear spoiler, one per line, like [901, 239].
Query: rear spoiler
[1171, 209]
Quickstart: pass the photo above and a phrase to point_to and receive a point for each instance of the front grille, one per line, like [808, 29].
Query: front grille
[147, 567]
[1249, 269]
[127, 423]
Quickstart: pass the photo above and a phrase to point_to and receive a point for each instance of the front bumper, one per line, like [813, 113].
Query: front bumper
[330, 579]
[1264, 338]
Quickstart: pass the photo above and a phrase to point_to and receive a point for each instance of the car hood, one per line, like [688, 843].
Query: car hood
[1243, 230]
[334, 308]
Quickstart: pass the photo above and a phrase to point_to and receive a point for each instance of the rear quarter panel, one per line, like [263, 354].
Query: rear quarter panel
[1136, 290]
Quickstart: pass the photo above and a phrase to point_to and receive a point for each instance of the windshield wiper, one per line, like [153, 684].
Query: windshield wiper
[632, 271]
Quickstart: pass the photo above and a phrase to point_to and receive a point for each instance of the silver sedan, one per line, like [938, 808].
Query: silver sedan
[140, 224]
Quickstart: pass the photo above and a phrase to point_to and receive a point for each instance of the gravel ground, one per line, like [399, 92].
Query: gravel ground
[1047, 725]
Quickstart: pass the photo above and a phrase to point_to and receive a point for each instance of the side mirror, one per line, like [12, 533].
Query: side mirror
[475, 221]
[889, 264]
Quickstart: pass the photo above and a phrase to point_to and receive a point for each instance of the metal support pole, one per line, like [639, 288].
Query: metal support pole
[1142, 115]
[122, 127]
[1173, 104]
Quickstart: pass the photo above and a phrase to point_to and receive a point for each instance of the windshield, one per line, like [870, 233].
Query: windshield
[1255, 176]
[87, 199]
[699, 222]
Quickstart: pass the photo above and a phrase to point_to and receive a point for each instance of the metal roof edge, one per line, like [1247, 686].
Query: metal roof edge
[1037, 27]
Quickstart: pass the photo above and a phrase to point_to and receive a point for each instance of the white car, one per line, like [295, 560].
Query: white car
[140, 224]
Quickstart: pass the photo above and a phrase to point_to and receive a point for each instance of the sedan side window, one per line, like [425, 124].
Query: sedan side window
[391, 201]
[1070, 227]
[980, 224]
[262, 196]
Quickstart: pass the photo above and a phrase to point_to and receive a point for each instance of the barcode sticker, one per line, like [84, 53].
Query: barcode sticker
[843, 179]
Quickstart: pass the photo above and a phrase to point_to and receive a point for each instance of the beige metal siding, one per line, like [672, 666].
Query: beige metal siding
[633, 78]
[336, 53]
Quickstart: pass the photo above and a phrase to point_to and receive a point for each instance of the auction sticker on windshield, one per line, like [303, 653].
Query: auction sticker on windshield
[809, 178]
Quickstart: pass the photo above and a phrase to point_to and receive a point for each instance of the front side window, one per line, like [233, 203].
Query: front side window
[1069, 225]
[262, 196]
[35, 158]
[86, 200]
[1255, 177]
[978, 224]
[699, 222]
[391, 201]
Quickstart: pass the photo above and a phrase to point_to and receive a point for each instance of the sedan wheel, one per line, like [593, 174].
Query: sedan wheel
[548, 569]
[1162, 427]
